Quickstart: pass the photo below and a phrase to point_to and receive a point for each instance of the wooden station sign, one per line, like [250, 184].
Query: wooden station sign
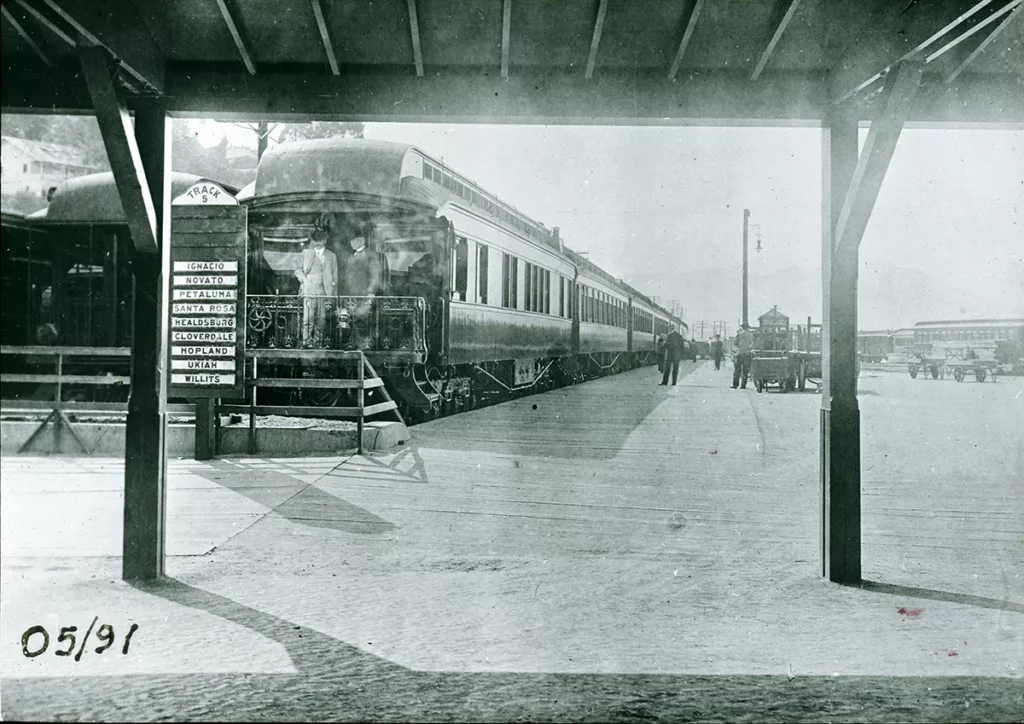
[206, 357]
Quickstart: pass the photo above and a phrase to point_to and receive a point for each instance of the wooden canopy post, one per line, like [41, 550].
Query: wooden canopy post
[850, 187]
[137, 159]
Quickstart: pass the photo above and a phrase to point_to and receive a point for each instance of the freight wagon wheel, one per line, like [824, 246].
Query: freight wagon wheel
[958, 374]
[913, 372]
[935, 372]
[980, 374]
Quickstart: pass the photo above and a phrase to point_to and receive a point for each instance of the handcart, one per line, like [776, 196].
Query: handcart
[926, 365]
[773, 368]
[963, 362]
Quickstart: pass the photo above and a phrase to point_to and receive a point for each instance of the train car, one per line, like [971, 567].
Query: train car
[470, 301]
[76, 268]
[26, 272]
[969, 332]
[875, 345]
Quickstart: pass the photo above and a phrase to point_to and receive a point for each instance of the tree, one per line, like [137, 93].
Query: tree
[188, 155]
[321, 129]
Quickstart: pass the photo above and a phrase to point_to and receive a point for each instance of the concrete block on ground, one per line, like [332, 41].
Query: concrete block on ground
[107, 438]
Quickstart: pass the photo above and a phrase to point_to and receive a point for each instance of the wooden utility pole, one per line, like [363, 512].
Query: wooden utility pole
[746, 223]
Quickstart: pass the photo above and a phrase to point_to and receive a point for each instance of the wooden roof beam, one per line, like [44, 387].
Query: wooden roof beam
[122, 149]
[595, 41]
[901, 84]
[414, 31]
[691, 24]
[959, 54]
[893, 34]
[325, 36]
[117, 26]
[25, 36]
[236, 35]
[47, 23]
[506, 35]
[776, 37]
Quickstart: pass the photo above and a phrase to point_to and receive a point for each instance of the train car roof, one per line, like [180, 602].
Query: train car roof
[10, 220]
[970, 323]
[93, 199]
[369, 167]
[359, 165]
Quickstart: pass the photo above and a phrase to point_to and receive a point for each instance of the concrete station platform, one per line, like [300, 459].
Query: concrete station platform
[615, 550]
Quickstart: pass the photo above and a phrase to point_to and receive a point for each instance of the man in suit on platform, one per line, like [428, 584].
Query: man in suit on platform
[675, 347]
[318, 275]
[364, 276]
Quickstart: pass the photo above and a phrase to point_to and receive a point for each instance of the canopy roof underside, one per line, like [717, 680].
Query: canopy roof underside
[578, 61]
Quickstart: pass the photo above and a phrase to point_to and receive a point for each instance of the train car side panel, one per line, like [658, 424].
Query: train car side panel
[484, 333]
[601, 338]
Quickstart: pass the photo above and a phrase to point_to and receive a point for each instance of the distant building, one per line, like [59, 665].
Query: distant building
[773, 330]
[35, 167]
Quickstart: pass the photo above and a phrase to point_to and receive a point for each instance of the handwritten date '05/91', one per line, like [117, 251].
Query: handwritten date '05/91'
[36, 640]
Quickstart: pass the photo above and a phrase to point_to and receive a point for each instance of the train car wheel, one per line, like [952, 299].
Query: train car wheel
[980, 374]
[913, 372]
[958, 374]
[935, 372]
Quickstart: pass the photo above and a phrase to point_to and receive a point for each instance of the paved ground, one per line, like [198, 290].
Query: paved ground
[617, 550]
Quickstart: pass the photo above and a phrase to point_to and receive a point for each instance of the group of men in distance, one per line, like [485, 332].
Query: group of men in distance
[671, 349]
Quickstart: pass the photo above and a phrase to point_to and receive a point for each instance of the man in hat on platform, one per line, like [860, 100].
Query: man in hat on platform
[318, 276]
[718, 351]
[744, 346]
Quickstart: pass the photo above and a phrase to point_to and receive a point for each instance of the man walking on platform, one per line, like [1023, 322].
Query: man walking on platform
[674, 349]
[744, 346]
[718, 351]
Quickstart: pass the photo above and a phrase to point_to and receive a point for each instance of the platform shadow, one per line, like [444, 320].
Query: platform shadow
[589, 421]
[335, 681]
[295, 500]
[965, 599]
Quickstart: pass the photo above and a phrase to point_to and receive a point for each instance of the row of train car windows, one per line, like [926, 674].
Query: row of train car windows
[594, 305]
[483, 201]
[966, 335]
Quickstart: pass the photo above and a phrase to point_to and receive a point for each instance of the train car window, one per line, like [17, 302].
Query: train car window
[447, 182]
[509, 281]
[528, 292]
[505, 296]
[481, 273]
[461, 269]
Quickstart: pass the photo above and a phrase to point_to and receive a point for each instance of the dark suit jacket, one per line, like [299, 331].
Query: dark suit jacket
[364, 274]
[675, 346]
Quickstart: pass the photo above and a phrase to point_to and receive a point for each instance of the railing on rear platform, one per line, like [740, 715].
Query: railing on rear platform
[370, 324]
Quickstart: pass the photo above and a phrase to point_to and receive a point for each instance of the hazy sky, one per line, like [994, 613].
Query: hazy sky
[666, 200]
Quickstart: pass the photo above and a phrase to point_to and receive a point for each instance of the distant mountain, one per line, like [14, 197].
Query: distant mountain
[890, 296]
